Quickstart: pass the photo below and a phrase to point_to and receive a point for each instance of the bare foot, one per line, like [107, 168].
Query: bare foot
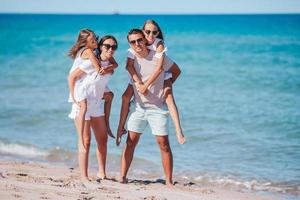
[121, 132]
[180, 137]
[123, 180]
[169, 183]
[101, 176]
[109, 132]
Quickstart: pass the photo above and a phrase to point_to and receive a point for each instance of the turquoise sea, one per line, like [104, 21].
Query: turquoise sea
[238, 96]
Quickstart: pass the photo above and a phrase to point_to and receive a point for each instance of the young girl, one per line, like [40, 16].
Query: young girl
[154, 37]
[86, 91]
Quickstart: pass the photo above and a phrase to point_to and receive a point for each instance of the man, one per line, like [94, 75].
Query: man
[149, 107]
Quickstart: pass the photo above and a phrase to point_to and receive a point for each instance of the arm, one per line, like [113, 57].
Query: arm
[110, 68]
[159, 67]
[88, 54]
[132, 72]
[175, 70]
[71, 81]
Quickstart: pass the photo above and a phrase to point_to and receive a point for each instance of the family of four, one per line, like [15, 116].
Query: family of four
[152, 74]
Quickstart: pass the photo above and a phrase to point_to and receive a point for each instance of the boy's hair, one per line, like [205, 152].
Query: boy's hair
[135, 31]
[151, 21]
[81, 42]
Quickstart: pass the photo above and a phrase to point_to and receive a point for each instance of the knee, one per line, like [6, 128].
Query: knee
[164, 146]
[130, 144]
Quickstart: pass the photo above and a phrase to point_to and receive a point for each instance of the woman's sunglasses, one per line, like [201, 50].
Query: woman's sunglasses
[108, 46]
[153, 32]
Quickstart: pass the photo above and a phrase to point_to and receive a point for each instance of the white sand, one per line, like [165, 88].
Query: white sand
[32, 180]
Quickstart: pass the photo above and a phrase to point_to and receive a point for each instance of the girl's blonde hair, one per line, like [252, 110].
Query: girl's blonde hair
[81, 42]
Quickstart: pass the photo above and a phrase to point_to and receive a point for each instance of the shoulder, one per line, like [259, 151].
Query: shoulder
[87, 53]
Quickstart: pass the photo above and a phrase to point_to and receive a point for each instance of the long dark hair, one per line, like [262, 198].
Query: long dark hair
[151, 21]
[81, 42]
[106, 37]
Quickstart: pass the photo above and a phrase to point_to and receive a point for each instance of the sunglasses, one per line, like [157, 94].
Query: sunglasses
[153, 32]
[108, 46]
[136, 41]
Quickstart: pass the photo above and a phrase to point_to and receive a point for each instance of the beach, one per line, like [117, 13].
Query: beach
[238, 98]
[35, 180]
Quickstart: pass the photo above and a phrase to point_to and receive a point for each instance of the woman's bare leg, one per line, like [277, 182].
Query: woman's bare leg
[83, 153]
[100, 131]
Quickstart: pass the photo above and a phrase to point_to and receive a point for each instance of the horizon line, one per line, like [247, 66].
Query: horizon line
[118, 13]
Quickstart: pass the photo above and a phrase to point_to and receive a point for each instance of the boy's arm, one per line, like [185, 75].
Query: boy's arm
[71, 81]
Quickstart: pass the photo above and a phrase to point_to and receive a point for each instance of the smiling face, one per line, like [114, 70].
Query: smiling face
[108, 47]
[91, 42]
[137, 42]
[151, 32]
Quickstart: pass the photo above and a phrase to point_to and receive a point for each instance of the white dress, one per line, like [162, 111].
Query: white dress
[91, 87]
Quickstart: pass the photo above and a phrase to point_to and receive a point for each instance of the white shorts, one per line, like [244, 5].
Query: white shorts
[94, 109]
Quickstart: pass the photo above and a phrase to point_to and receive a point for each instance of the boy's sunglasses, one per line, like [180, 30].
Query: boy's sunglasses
[136, 41]
[153, 32]
[108, 46]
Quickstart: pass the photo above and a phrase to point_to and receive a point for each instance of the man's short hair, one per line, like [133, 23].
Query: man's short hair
[135, 31]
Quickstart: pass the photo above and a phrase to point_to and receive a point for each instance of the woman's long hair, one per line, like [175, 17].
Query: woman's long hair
[81, 42]
[151, 21]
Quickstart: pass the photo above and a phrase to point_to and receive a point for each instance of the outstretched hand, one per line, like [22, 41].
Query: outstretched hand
[119, 135]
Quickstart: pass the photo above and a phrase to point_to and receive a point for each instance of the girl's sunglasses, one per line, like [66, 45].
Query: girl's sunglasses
[108, 46]
[153, 32]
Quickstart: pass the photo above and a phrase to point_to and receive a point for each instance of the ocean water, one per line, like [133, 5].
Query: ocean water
[238, 96]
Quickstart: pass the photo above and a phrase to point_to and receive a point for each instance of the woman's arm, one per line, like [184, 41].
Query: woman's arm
[75, 75]
[111, 67]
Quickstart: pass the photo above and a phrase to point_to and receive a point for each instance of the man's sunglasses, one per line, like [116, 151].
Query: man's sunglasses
[136, 41]
[153, 32]
[108, 46]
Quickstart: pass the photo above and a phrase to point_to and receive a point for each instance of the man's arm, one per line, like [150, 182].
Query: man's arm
[175, 70]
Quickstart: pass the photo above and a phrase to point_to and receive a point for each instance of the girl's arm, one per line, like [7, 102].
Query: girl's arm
[71, 81]
[159, 67]
[132, 72]
[88, 53]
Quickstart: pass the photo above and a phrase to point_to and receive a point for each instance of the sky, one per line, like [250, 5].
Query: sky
[150, 6]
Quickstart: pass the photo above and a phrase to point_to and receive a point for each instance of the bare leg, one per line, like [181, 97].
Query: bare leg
[167, 157]
[127, 156]
[126, 97]
[83, 153]
[108, 97]
[100, 131]
[170, 101]
[81, 120]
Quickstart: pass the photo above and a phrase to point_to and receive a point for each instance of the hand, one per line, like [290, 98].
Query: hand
[142, 89]
[101, 71]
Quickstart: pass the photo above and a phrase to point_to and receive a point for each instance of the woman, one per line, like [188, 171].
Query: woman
[92, 86]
